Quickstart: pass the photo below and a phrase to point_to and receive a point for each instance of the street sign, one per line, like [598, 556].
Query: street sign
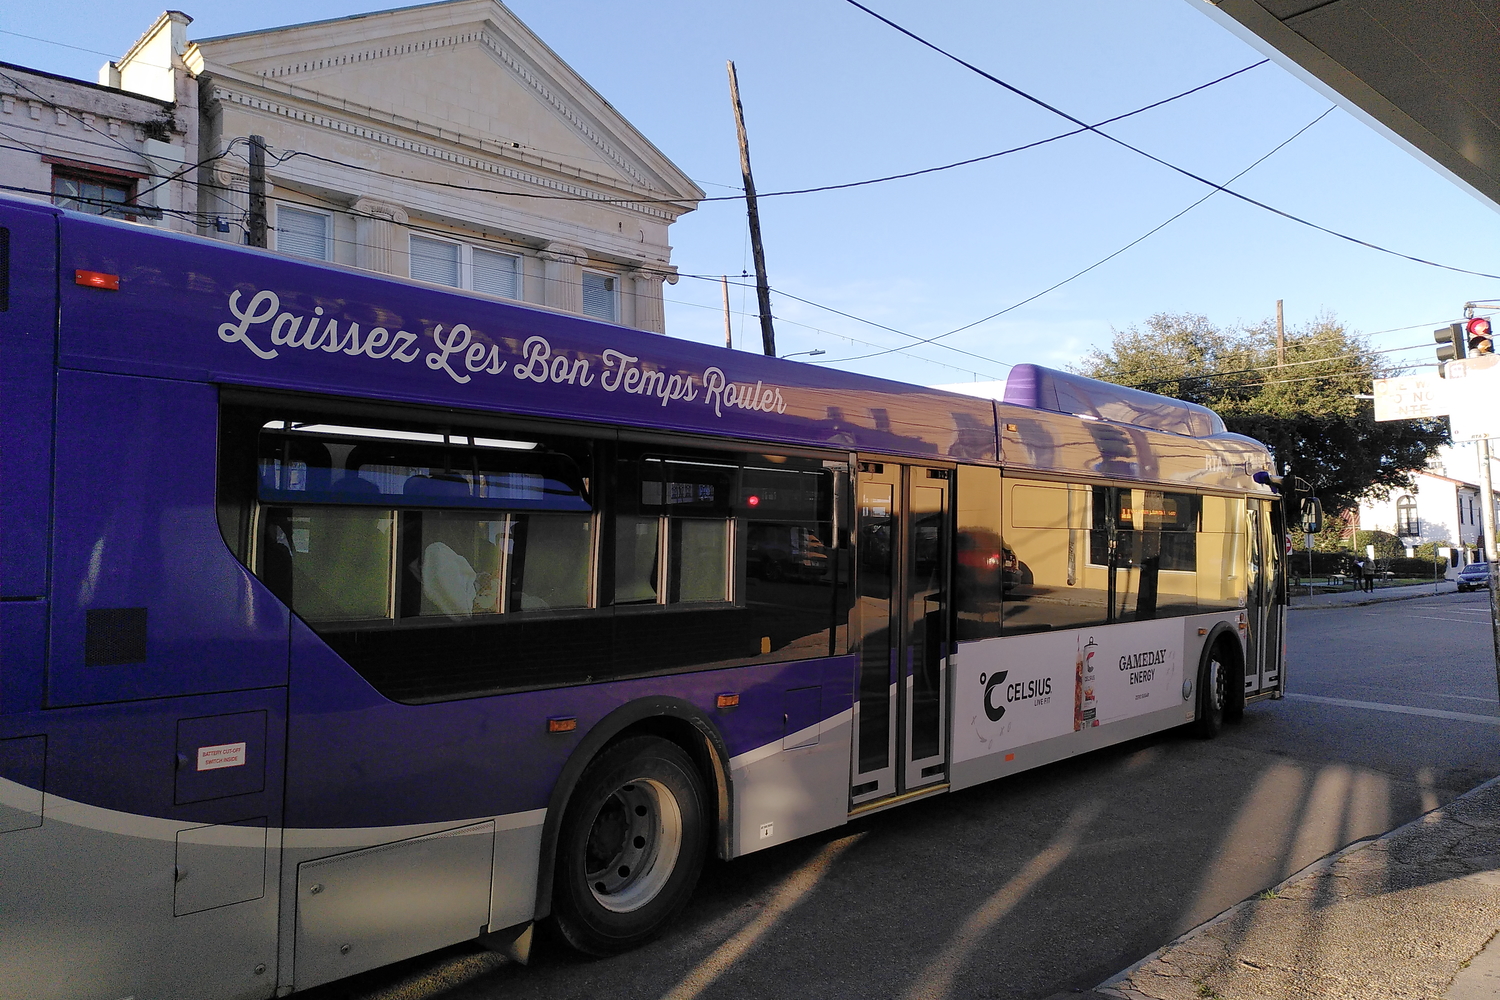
[1473, 388]
[1411, 397]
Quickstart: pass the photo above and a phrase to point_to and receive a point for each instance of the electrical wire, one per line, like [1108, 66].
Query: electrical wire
[1103, 260]
[1157, 159]
[70, 113]
[789, 192]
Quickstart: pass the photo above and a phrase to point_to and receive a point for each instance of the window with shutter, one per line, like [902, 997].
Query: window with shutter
[599, 297]
[436, 261]
[303, 233]
[497, 273]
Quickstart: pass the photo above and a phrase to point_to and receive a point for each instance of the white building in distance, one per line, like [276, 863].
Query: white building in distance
[1440, 508]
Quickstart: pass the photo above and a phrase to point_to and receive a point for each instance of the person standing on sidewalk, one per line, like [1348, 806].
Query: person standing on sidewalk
[1359, 574]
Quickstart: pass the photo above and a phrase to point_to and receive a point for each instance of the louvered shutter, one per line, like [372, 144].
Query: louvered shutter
[599, 296]
[435, 261]
[497, 274]
[302, 233]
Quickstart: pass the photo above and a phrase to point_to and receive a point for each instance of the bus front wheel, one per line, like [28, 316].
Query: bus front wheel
[1213, 689]
[630, 848]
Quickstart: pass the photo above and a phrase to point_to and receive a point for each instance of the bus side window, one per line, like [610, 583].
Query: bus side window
[330, 563]
[1221, 554]
[983, 563]
[549, 564]
[1049, 582]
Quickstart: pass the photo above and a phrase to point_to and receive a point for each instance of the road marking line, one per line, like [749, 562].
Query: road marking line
[1433, 618]
[1433, 713]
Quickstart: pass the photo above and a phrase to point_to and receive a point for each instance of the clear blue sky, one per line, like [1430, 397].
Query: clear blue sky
[831, 95]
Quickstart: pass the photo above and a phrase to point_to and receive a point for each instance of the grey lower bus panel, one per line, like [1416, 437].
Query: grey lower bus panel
[379, 905]
[81, 928]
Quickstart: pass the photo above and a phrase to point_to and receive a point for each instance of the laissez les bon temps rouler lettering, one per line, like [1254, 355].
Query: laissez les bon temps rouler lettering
[264, 329]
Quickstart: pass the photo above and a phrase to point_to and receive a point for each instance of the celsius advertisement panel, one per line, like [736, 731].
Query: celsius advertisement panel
[1023, 689]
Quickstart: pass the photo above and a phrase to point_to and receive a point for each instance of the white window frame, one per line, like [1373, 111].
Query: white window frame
[614, 293]
[466, 264]
[328, 237]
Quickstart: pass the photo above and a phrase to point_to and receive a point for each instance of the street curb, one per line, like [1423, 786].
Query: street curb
[1110, 988]
[1294, 606]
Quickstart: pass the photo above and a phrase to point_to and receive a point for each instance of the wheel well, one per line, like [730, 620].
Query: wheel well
[1224, 637]
[713, 772]
[670, 719]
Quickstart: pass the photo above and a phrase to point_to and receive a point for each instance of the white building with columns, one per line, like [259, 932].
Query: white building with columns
[443, 142]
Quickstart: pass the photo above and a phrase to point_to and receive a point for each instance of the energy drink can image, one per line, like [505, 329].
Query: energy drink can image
[1088, 714]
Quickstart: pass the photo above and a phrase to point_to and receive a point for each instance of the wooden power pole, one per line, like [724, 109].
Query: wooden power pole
[728, 330]
[762, 287]
[1280, 337]
[258, 223]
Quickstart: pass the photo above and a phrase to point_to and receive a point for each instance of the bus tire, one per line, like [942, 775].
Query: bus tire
[1213, 690]
[630, 848]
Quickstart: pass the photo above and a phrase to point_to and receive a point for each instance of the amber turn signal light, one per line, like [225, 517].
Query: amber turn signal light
[727, 700]
[562, 725]
[97, 279]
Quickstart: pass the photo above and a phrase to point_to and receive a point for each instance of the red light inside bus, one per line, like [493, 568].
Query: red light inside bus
[753, 501]
[97, 279]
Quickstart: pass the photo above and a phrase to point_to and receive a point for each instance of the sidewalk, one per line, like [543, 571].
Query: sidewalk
[1348, 598]
[1411, 914]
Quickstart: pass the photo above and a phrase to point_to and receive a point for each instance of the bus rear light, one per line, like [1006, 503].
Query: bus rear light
[97, 279]
[727, 700]
[559, 725]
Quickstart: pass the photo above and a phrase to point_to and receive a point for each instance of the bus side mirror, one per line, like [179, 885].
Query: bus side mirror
[1312, 515]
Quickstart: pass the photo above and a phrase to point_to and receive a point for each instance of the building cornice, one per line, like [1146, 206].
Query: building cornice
[389, 129]
[486, 37]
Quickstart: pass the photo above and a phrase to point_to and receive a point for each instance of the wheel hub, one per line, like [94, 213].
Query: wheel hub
[633, 845]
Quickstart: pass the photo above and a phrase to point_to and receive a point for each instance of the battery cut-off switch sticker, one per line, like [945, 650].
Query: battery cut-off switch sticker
[223, 755]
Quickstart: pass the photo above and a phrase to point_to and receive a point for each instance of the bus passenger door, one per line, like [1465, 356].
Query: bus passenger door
[1263, 604]
[1273, 585]
[902, 714]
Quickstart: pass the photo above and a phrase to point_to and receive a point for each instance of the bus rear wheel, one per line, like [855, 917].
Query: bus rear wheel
[630, 848]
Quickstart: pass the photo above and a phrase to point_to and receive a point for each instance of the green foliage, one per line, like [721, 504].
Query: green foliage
[1387, 545]
[1429, 551]
[1307, 412]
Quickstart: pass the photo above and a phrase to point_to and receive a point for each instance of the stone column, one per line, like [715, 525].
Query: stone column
[564, 280]
[228, 199]
[649, 313]
[381, 240]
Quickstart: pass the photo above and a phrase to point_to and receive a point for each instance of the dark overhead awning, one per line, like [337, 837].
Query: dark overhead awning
[1426, 70]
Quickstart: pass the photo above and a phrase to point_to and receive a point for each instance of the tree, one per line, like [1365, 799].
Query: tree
[1306, 412]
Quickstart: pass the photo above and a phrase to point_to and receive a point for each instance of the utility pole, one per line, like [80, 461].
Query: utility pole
[1491, 550]
[762, 288]
[258, 226]
[1280, 337]
[728, 330]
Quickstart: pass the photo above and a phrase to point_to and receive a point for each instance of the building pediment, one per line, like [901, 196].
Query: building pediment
[467, 69]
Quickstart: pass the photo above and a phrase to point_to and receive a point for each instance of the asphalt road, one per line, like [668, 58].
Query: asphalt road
[1060, 877]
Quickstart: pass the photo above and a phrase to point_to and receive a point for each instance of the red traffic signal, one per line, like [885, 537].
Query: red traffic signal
[1481, 340]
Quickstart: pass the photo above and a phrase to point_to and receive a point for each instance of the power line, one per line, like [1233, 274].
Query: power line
[1104, 260]
[792, 191]
[1157, 159]
[70, 113]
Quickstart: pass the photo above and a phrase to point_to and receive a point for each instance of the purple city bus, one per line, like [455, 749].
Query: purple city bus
[347, 617]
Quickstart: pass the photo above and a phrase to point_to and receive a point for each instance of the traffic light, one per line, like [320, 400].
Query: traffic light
[1480, 339]
[1450, 340]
